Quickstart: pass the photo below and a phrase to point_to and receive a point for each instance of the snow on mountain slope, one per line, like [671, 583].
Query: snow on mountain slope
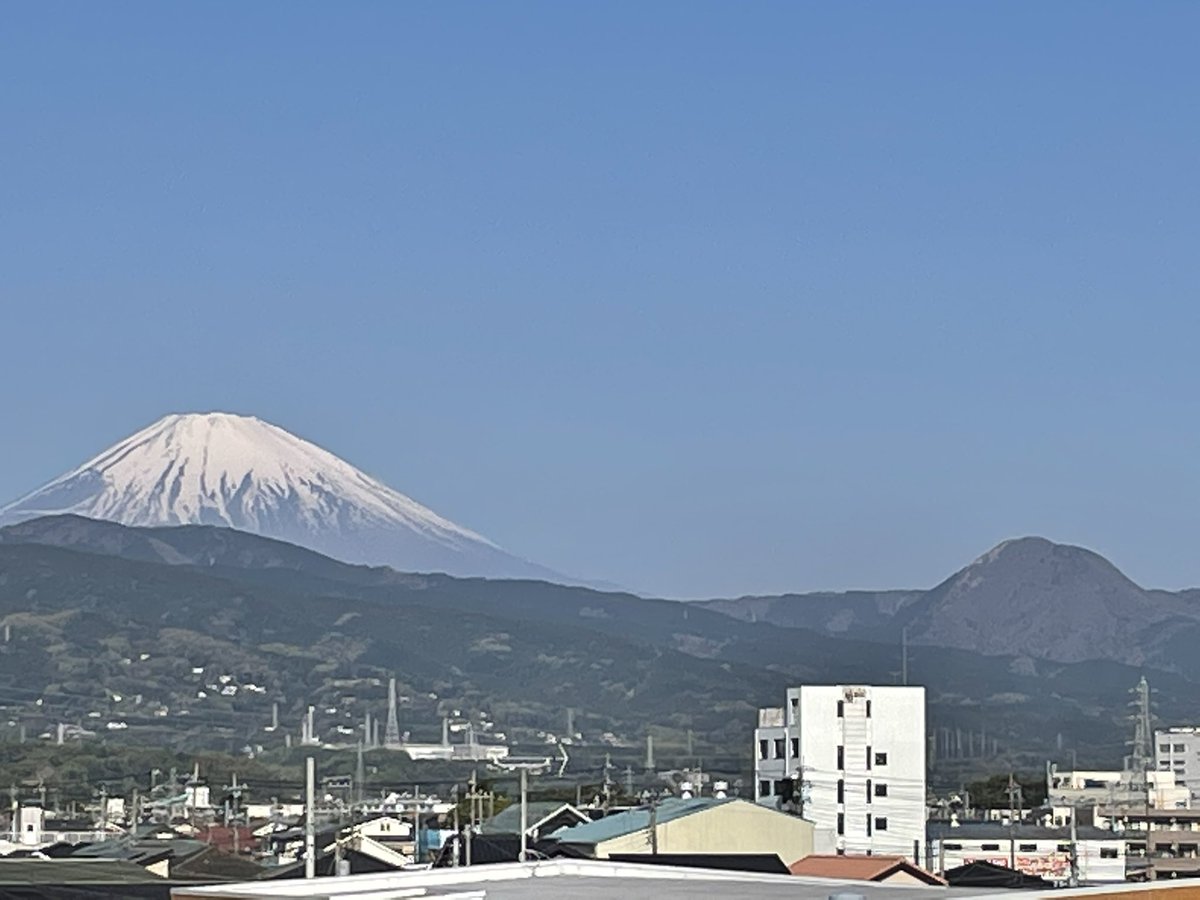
[241, 472]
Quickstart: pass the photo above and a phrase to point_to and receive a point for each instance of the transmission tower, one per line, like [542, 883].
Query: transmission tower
[1141, 757]
[391, 734]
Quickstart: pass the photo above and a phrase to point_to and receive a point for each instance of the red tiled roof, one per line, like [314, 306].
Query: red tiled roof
[858, 868]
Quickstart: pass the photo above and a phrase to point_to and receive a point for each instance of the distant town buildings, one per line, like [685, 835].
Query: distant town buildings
[851, 760]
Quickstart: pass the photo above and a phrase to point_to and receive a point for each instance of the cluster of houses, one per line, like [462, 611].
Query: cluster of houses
[840, 798]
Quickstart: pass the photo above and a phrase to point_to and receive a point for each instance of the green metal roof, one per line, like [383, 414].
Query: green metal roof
[508, 820]
[635, 820]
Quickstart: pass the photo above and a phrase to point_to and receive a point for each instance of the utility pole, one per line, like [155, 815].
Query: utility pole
[524, 814]
[103, 811]
[904, 655]
[1074, 881]
[416, 823]
[654, 825]
[360, 776]
[1014, 791]
[471, 823]
[310, 825]
[606, 787]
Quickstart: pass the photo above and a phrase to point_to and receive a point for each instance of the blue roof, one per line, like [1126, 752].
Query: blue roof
[634, 820]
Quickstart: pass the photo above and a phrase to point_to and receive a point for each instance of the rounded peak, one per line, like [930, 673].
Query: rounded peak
[1022, 549]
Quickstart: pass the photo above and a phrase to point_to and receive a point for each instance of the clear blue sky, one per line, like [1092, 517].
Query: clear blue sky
[697, 298]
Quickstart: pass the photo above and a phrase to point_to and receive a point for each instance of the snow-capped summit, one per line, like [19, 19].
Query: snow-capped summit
[244, 473]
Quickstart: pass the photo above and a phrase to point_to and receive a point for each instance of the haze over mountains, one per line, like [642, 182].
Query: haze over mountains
[244, 473]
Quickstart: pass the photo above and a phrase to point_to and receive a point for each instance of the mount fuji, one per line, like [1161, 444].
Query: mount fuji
[241, 472]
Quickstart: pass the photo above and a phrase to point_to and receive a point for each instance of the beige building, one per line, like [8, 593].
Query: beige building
[694, 826]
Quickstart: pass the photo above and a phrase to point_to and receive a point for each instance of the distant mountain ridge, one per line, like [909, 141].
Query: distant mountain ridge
[244, 473]
[1025, 596]
[113, 620]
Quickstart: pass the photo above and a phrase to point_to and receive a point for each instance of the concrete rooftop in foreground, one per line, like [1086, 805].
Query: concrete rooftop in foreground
[571, 878]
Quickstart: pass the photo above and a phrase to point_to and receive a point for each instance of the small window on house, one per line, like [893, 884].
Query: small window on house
[868, 757]
[1179, 748]
[881, 823]
[841, 823]
[868, 790]
[868, 709]
[841, 791]
[881, 790]
[1164, 748]
[989, 847]
[779, 744]
[778, 788]
[1108, 852]
[764, 789]
[1028, 848]
[763, 746]
[1064, 848]
[841, 708]
[795, 748]
[951, 846]
[841, 757]
[881, 759]
[868, 824]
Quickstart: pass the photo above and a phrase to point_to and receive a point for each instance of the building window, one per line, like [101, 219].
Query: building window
[1028, 848]
[951, 846]
[881, 790]
[868, 709]
[841, 757]
[763, 746]
[841, 708]
[841, 791]
[1164, 748]
[868, 824]
[881, 823]
[779, 745]
[1108, 852]
[881, 759]
[1179, 748]
[868, 790]
[795, 748]
[841, 823]
[868, 758]
[778, 788]
[764, 789]
[989, 847]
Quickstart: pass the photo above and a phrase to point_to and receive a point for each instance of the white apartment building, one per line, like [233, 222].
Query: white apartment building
[851, 760]
[1177, 751]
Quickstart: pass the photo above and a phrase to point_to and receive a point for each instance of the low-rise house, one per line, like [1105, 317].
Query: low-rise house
[697, 825]
[857, 867]
[1032, 849]
[542, 818]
